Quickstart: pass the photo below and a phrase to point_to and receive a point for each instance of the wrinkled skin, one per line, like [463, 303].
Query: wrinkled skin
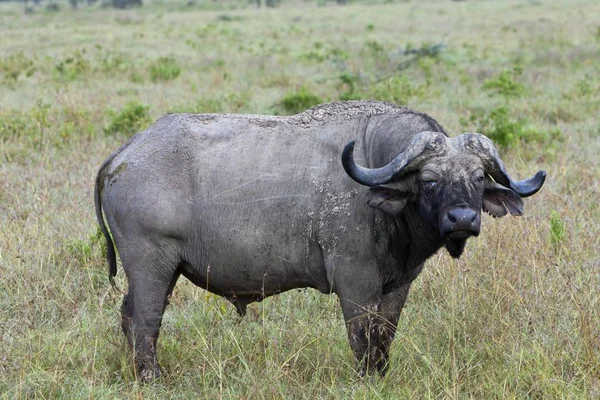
[251, 206]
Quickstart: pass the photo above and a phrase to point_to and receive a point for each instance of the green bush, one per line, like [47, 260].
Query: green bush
[164, 69]
[111, 62]
[130, 119]
[321, 52]
[374, 47]
[300, 100]
[350, 84]
[19, 126]
[15, 65]
[313, 56]
[72, 66]
[506, 84]
[505, 130]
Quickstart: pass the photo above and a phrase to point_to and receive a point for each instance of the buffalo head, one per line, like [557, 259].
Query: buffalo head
[451, 180]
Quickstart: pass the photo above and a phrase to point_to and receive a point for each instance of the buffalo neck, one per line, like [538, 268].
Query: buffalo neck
[412, 241]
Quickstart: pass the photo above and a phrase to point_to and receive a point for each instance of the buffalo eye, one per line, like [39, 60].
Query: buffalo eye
[479, 177]
[429, 179]
[430, 184]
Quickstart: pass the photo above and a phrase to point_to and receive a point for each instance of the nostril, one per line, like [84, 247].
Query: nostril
[473, 216]
[451, 217]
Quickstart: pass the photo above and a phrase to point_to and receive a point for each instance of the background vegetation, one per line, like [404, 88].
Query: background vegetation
[516, 317]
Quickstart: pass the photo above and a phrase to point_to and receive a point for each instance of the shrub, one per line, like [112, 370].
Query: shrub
[351, 84]
[503, 129]
[14, 65]
[300, 100]
[321, 52]
[82, 250]
[313, 55]
[130, 119]
[15, 125]
[374, 47]
[111, 62]
[506, 84]
[506, 130]
[425, 50]
[164, 69]
[73, 66]
[136, 77]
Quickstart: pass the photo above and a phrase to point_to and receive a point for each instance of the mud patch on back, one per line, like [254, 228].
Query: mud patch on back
[111, 178]
[347, 110]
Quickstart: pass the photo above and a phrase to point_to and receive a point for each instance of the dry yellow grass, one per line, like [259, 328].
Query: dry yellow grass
[516, 317]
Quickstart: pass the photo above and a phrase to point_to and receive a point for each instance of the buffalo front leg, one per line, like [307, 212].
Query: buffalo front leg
[367, 334]
[142, 311]
[371, 325]
[391, 306]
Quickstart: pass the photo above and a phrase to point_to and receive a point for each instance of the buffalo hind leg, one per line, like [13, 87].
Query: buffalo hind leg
[142, 311]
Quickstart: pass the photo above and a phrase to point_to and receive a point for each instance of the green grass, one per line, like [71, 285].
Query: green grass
[164, 69]
[299, 100]
[132, 118]
[516, 317]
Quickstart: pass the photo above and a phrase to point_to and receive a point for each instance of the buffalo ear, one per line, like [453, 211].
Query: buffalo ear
[388, 200]
[498, 200]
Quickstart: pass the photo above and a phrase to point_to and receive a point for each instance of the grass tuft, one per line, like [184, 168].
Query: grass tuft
[164, 69]
[557, 230]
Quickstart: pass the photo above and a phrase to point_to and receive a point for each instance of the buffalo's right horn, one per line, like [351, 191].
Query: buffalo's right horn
[419, 149]
[483, 146]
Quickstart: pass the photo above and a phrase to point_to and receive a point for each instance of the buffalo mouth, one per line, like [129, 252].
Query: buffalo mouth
[456, 241]
[461, 234]
[455, 247]
[459, 222]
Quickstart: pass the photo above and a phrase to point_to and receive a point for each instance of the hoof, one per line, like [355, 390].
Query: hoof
[149, 375]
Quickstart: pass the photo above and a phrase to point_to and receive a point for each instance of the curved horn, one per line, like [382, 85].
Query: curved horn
[419, 149]
[483, 147]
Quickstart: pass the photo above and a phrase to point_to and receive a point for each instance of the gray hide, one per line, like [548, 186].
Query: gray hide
[248, 206]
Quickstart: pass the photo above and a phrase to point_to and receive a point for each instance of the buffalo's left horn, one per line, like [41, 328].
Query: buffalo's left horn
[419, 149]
[483, 147]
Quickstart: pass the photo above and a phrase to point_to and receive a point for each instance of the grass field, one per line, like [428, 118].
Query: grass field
[516, 317]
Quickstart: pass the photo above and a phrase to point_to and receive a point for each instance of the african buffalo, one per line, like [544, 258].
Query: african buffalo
[248, 206]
